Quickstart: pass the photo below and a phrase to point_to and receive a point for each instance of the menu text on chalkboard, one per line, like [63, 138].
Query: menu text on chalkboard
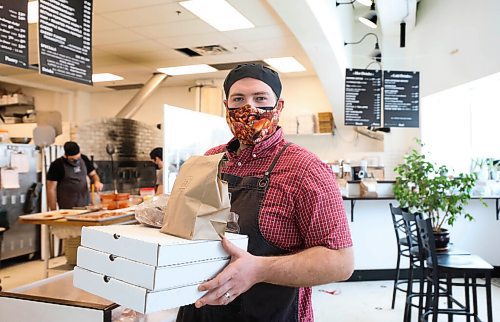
[362, 97]
[65, 28]
[14, 33]
[401, 99]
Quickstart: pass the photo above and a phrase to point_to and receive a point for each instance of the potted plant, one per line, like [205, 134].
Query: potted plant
[422, 186]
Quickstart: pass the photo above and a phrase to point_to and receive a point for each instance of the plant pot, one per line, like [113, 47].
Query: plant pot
[442, 238]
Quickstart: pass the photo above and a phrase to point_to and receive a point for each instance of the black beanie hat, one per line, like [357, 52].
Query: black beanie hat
[71, 148]
[257, 71]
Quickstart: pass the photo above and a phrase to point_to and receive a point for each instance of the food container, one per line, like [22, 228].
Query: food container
[147, 193]
[122, 196]
[115, 200]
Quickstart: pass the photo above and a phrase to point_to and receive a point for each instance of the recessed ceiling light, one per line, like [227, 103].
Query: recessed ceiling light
[285, 64]
[33, 12]
[186, 70]
[105, 77]
[218, 13]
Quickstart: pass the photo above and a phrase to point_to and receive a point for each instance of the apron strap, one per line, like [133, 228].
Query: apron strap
[263, 183]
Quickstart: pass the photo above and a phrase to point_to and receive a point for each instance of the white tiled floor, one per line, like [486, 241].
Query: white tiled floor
[352, 301]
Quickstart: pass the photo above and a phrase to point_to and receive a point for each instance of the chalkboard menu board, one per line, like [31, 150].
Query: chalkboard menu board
[65, 28]
[14, 32]
[362, 97]
[401, 99]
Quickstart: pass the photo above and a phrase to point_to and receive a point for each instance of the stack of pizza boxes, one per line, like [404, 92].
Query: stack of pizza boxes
[145, 270]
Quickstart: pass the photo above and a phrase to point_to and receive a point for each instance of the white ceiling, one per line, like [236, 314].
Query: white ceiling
[132, 38]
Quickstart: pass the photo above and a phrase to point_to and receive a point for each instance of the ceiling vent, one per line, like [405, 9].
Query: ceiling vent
[204, 50]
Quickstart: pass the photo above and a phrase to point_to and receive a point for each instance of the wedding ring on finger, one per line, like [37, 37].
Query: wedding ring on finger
[227, 296]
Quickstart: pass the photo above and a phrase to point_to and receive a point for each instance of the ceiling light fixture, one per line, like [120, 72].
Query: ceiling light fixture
[285, 64]
[33, 12]
[187, 70]
[376, 54]
[374, 62]
[402, 28]
[218, 13]
[370, 18]
[105, 77]
[363, 2]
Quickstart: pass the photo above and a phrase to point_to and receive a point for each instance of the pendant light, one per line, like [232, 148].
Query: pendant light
[376, 53]
[370, 18]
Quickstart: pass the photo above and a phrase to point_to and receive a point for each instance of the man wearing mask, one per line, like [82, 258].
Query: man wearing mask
[67, 179]
[156, 156]
[288, 204]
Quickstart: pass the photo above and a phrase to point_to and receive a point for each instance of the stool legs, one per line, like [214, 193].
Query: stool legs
[488, 297]
[467, 296]
[409, 292]
[396, 279]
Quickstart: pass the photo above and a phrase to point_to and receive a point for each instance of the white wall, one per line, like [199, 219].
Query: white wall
[302, 95]
[375, 242]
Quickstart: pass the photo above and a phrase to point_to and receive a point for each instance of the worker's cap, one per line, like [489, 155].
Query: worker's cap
[257, 71]
[71, 148]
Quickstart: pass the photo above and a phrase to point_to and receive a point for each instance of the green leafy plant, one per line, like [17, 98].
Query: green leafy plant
[422, 186]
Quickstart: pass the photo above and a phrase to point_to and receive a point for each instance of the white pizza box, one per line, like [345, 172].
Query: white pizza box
[149, 276]
[149, 246]
[134, 297]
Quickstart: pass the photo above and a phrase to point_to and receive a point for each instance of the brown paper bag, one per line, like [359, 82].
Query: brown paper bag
[368, 188]
[199, 205]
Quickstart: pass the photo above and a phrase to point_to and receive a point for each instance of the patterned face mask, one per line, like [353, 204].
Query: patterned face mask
[252, 125]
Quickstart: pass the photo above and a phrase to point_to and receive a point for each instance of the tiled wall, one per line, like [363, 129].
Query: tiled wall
[133, 140]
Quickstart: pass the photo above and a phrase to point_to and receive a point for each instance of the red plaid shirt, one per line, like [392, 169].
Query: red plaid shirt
[303, 206]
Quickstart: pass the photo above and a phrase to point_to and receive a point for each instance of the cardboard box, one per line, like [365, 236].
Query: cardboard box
[141, 268]
[148, 276]
[134, 297]
[149, 246]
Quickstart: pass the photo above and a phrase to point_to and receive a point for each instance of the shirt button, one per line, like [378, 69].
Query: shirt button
[254, 155]
[239, 164]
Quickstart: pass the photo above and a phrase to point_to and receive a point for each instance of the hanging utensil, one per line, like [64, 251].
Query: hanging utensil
[110, 150]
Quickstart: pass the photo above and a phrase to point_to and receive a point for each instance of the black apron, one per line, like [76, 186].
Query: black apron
[262, 302]
[72, 190]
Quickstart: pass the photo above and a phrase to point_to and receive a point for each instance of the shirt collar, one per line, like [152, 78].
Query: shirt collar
[258, 149]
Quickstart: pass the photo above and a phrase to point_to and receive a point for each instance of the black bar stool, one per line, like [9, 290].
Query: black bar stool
[417, 265]
[403, 248]
[448, 267]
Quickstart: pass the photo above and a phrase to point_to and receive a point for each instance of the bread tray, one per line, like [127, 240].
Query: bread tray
[55, 214]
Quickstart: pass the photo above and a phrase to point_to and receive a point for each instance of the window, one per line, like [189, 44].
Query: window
[462, 123]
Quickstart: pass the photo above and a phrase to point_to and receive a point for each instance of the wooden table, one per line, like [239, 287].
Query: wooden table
[63, 222]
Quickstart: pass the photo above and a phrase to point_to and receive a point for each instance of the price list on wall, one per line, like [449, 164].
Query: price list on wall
[65, 34]
[14, 33]
[401, 99]
[363, 97]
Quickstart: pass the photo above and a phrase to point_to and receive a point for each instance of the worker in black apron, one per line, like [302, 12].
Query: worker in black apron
[252, 112]
[280, 303]
[67, 179]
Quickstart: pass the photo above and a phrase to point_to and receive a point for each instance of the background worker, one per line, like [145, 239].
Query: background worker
[156, 156]
[67, 184]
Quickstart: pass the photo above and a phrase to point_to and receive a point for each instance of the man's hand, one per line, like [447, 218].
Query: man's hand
[241, 274]
[98, 186]
[96, 181]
